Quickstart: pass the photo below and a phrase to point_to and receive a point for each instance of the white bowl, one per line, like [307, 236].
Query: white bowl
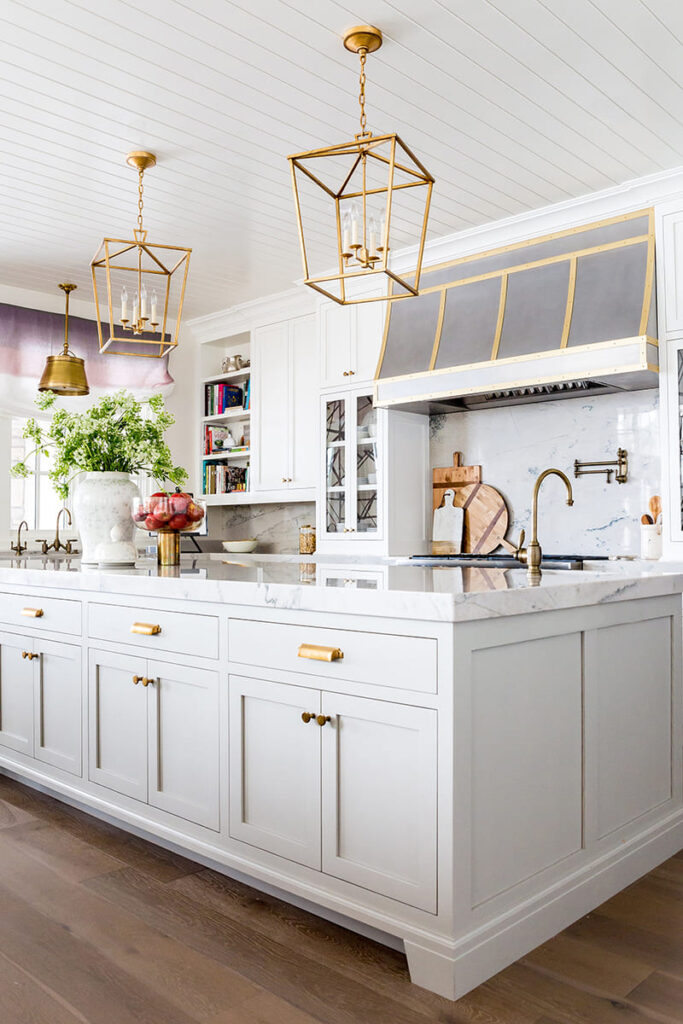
[240, 546]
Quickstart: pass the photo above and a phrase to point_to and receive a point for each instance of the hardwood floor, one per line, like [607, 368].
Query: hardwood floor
[99, 927]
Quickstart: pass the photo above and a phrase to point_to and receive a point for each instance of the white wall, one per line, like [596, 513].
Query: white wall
[514, 444]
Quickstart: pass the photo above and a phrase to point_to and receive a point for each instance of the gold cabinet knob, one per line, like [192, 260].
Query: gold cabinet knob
[137, 679]
[284, 480]
[24, 654]
[352, 373]
[323, 720]
[346, 373]
[32, 656]
[306, 716]
[146, 682]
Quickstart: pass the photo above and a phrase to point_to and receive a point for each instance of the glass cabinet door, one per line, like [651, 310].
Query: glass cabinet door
[335, 466]
[365, 423]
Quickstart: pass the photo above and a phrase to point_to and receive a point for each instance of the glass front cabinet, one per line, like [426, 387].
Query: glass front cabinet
[352, 470]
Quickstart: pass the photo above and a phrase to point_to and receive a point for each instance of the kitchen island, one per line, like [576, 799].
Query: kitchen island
[448, 759]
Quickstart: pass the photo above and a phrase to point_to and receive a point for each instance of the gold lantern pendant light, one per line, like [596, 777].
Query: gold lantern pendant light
[366, 183]
[65, 374]
[139, 319]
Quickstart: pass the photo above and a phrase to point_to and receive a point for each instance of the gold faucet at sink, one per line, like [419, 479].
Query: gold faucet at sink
[19, 548]
[57, 544]
[532, 555]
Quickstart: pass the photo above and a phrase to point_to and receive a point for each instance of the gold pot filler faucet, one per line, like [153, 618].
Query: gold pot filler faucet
[532, 555]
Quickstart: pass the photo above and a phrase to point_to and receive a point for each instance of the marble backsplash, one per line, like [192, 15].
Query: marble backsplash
[514, 444]
[275, 526]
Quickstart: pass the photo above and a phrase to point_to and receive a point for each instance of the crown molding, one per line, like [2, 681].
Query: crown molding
[255, 313]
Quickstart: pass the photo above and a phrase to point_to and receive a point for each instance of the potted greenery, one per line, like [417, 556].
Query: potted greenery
[103, 446]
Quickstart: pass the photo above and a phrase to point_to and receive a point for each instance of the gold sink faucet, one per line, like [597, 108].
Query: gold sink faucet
[56, 543]
[19, 548]
[532, 555]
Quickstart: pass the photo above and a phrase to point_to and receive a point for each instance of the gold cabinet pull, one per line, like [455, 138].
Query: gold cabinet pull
[137, 679]
[323, 720]
[146, 682]
[27, 654]
[307, 716]
[319, 653]
[32, 613]
[145, 628]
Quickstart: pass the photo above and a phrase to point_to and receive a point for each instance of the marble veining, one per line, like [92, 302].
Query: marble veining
[399, 590]
[515, 443]
[275, 526]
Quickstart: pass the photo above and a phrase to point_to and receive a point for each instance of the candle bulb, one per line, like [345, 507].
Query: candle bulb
[143, 303]
[154, 301]
[355, 225]
[373, 231]
[124, 304]
[346, 232]
[136, 308]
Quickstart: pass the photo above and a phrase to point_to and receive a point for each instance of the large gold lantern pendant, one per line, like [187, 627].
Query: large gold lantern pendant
[142, 281]
[375, 199]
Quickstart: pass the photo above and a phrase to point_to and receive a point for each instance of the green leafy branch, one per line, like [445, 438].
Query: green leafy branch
[115, 435]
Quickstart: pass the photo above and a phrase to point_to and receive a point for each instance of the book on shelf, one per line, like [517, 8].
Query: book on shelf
[247, 396]
[220, 440]
[221, 479]
[218, 398]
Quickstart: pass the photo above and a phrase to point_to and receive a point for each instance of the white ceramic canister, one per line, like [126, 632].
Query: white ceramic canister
[651, 541]
[102, 503]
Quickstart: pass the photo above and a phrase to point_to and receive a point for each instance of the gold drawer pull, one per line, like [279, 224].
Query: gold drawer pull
[145, 628]
[32, 613]
[147, 682]
[318, 653]
[137, 679]
[27, 654]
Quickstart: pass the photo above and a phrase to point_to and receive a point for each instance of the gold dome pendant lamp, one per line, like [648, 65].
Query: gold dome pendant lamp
[138, 278]
[366, 184]
[65, 374]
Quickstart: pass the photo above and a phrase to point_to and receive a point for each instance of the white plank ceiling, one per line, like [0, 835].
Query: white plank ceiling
[511, 104]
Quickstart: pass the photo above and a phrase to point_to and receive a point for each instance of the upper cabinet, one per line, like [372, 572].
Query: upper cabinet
[284, 361]
[350, 342]
[669, 263]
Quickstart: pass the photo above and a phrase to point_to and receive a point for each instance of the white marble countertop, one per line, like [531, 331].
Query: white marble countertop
[377, 587]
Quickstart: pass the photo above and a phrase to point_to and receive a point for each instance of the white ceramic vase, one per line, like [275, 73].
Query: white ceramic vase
[103, 502]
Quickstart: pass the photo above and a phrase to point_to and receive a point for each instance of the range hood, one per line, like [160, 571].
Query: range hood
[561, 316]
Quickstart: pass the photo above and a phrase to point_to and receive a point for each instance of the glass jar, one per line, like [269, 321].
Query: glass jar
[306, 540]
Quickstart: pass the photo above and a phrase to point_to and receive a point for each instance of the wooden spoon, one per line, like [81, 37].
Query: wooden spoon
[655, 506]
[647, 520]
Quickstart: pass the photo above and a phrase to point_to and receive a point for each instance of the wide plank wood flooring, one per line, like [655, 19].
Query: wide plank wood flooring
[99, 927]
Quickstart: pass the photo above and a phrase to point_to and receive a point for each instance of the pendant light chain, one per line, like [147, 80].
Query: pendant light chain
[361, 98]
[141, 174]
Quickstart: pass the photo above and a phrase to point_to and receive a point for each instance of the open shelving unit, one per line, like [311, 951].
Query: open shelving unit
[237, 420]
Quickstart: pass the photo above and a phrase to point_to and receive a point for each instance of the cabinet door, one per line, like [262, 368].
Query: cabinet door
[335, 483]
[184, 727]
[304, 403]
[367, 341]
[57, 707]
[275, 768]
[271, 407]
[379, 797]
[337, 326]
[118, 723]
[16, 693]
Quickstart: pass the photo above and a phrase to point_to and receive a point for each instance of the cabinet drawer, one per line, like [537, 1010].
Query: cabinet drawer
[49, 613]
[378, 659]
[193, 635]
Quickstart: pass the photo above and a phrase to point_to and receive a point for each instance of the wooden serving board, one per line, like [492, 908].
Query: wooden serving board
[486, 517]
[457, 475]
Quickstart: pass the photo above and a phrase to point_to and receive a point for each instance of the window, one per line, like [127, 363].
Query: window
[33, 498]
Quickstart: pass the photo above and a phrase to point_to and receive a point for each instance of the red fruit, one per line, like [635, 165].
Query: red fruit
[195, 512]
[162, 510]
[179, 503]
[152, 523]
[140, 515]
[178, 522]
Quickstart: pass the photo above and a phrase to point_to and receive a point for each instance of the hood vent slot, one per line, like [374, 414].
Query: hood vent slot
[549, 318]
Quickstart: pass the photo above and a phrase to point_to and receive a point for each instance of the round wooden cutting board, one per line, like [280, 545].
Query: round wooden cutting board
[486, 517]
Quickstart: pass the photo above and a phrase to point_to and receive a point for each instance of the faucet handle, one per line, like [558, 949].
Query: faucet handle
[520, 552]
[45, 547]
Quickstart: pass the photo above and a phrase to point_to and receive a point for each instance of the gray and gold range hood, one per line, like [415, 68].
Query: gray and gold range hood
[562, 316]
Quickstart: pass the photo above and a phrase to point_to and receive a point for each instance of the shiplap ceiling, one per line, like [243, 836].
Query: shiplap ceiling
[511, 104]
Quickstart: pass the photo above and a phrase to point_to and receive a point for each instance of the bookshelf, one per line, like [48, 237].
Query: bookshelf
[224, 466]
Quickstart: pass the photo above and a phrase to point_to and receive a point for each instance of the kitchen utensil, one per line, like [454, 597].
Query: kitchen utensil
[452, 476]
[651, 542]
[655, 505]
[486, 517]
[646, 520]
[240, 546]
[447, 529]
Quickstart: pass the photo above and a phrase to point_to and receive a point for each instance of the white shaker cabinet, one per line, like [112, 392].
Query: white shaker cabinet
[154, 734]
[371, 767]
[285, 406]
[350, 342]
[40, 700]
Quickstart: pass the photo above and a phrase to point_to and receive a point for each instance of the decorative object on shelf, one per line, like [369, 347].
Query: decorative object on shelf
[620, 473]
[65, 374]
[144, 325]
[366, 180]
[103, 446]
[232, 363]
[306, 540]
[168, 515]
